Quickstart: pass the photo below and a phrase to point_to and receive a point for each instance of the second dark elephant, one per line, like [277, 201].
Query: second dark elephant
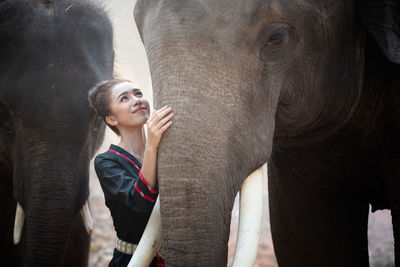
[51, 53]
[303, 85]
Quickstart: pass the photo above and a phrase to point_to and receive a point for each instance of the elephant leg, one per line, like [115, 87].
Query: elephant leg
[78, 244]
[13, 255]
[313, 224]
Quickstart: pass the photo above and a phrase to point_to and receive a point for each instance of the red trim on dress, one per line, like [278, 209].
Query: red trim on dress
[140, 176]
[143, 195]
[160, 262]
[131, 161]
[145, 182]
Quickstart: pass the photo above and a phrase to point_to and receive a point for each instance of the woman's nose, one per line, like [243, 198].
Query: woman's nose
[137, 101]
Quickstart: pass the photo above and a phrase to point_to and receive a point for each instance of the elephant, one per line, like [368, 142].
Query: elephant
[310, 87]
[51, 53]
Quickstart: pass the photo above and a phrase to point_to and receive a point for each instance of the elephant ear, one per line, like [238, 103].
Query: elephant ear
[381, 18]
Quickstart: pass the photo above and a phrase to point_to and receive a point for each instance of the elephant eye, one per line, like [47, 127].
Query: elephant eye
[277, 41]
[274, 43]
[276, 38]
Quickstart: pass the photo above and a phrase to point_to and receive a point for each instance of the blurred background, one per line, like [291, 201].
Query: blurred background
[131, 63]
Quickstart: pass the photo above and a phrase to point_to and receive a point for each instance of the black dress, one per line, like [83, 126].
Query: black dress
[127, 195]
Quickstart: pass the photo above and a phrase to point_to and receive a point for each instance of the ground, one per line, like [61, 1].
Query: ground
[380, 233]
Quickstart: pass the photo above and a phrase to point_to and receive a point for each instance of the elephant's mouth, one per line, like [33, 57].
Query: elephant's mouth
[251, 201]
[20, 220]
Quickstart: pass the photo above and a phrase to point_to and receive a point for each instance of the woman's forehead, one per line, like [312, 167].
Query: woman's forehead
[123, 87]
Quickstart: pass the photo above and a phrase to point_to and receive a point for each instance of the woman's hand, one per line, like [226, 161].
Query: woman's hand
[157, 124]
[159, 121]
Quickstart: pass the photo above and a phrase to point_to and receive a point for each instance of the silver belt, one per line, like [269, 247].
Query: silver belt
[128, 248]
[125, 247]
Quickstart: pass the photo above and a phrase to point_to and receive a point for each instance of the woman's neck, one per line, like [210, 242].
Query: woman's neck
[133, 140]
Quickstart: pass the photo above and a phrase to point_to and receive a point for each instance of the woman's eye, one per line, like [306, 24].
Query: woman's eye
[124, 98]
[139, 94]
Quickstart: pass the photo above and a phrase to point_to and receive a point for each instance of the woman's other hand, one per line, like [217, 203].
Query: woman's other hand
[159, 121]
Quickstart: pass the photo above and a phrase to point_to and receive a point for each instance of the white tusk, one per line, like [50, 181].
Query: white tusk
[150, 241]
[250, 216]
[19, 223]
[87, 218]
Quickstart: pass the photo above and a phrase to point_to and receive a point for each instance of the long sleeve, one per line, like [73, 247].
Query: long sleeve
[119, 186]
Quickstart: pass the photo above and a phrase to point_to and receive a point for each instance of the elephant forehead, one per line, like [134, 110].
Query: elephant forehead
[241, 22]
[196, 10]
[52, 58]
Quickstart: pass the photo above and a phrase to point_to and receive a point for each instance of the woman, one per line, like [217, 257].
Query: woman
[127, 171]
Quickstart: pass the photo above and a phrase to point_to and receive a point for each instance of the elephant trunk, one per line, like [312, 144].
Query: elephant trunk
[52, 187]
[48, 227]
[196, 194]
[203, 158]
[196, 218]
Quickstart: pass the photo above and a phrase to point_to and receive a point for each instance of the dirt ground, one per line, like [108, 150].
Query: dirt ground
[380, 233]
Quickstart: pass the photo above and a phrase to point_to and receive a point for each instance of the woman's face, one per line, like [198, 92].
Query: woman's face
[128, 106]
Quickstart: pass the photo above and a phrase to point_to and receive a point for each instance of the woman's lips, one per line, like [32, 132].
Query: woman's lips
[139, 110]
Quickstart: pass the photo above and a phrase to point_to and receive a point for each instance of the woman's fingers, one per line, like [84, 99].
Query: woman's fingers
[160, 117]
[159, 114]
[149, 120]
[154, 113]
[165, 127]
[157, 124]
[166, 119]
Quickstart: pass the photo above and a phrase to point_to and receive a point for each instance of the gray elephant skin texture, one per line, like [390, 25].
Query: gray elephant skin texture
[51, 53]
[311, 87]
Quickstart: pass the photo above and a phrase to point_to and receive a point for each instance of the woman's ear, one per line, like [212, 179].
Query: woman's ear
[381, 18]
[111, 120]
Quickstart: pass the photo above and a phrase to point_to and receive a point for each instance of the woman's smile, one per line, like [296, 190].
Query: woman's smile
[141, 109]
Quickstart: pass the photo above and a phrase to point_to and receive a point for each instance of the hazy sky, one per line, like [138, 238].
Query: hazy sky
[131, 61]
